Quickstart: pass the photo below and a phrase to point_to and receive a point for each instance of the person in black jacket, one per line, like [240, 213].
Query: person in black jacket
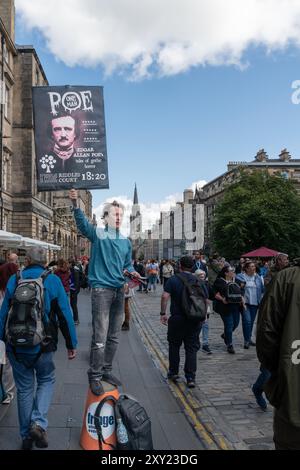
[76, 278]
[229, 312]
[140, 268]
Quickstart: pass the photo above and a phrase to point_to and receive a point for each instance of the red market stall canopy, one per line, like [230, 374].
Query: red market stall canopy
[261, 252]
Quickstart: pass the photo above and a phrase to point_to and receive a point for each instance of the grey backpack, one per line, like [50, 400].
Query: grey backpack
[133, 425]
[24, 327]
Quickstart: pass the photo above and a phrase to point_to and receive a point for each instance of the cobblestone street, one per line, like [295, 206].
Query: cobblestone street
[221, 408]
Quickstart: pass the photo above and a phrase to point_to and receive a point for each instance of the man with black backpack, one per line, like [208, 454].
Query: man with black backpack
[28, 325]
[188, 312]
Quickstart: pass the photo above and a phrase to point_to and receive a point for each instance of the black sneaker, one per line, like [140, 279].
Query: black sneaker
[111, 379]
[252, 343]
[96, 387]
[125, 327]
[191, 383]
[230, 349]
[39, 436]
[206, 349]
[246, 345]
[27, 443]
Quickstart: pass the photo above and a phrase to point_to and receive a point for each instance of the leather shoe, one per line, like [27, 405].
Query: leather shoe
[96, 387]
[27, 443]
[39, 436]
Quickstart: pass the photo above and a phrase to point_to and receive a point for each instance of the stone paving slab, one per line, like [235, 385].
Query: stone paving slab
[173, 425]
[223, 392]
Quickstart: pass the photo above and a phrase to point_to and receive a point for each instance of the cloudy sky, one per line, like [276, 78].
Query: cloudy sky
[189, 84]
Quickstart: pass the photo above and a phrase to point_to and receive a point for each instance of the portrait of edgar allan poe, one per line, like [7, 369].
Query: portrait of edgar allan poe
[63, 131]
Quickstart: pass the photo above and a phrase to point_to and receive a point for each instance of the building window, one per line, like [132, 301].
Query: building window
[5, 222]
[37, 77]
[4, 173]
[37, 230]
[44, 233]
[5, 53]
[296, 174]
[6, 101]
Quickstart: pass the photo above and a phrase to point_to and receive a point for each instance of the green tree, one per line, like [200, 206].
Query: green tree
[259, 210]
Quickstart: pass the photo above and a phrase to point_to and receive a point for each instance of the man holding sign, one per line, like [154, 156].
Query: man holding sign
[110, 258]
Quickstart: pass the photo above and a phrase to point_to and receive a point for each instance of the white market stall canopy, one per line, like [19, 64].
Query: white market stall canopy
[9, 239]
[27, 242]
[13, 240]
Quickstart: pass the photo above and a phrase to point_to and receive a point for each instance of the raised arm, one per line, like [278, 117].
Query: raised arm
[86, 228]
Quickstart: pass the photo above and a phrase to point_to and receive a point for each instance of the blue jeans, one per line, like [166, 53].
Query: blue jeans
[261, 380]
[152, 281]
[108, 314]
[33, 405]
[205, 331]
[248, 319]
[231, 322]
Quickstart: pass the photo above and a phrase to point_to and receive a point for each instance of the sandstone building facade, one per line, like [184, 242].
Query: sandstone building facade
[43, 216]
[212, 193]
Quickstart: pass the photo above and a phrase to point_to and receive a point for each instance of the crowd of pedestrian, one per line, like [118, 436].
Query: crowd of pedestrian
[269, 289]
[236, 291]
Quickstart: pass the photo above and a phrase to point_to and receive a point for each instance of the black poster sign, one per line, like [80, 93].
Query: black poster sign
[70, 140]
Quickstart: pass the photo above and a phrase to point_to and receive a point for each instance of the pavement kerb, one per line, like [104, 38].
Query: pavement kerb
[211, 438]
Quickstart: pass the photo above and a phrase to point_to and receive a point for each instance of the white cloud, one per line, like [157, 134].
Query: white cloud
[199, 184]
[154, 37]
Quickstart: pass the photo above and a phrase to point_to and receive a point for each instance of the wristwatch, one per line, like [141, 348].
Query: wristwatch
[162, 314]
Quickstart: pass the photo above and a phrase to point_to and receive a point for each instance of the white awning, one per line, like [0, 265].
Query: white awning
[53, 247]
[27, 242]
[9, 239]
[13, 240]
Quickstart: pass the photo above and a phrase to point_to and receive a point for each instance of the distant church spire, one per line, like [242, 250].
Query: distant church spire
[135, 218]
[135, 197]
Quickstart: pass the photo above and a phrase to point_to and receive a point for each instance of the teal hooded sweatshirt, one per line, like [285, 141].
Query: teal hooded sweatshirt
[110, 254]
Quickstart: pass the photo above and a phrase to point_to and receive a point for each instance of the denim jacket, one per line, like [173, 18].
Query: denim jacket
[259, 288]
